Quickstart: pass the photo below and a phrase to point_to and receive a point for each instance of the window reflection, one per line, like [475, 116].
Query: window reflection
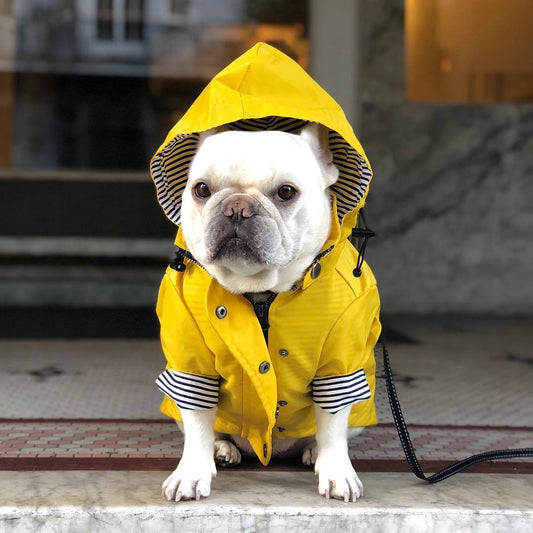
[475, 51]
[96, 84]
[104, 25]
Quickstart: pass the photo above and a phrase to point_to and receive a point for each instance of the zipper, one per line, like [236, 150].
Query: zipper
[177, 262]
[261, 310]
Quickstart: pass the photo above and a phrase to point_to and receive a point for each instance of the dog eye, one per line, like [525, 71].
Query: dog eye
[202, 190]
[286, 192]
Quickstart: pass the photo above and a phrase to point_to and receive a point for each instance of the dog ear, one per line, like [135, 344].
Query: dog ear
[317, 136]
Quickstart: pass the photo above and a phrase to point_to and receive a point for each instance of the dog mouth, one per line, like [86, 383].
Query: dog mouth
[236, 248]
[251, 241]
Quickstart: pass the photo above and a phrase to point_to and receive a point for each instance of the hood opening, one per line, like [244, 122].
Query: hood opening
[170, 166]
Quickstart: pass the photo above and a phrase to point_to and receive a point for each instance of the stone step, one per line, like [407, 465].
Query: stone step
[263, 502]
[81, 239]
[81, 204]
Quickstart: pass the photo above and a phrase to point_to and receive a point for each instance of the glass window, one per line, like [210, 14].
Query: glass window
[97, 84]
[134, 20]
[179, 7]
[105, 19]
[476, 51]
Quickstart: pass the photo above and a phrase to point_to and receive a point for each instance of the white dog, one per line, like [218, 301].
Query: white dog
[256, 212]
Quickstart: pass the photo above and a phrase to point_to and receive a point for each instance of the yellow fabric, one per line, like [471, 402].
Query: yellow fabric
[329, 329]
[329, 324]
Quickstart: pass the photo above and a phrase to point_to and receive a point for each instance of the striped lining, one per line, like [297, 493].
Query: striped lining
[188, 390]
[334, 393]
[170, 167]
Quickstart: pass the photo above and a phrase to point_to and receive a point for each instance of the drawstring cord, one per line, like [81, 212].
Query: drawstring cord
[361, 233]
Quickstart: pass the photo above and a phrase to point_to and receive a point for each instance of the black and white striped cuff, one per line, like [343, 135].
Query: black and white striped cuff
[188, 390]
[334, 393]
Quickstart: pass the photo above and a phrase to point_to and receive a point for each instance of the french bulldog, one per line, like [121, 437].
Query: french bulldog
[256, 211]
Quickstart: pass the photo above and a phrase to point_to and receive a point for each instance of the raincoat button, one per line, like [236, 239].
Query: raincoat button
[277, 412]
[284, 353]
[281, 429]
[282, 403]
[264, 367]
[315, 271]
[265, 451]
[221, 312]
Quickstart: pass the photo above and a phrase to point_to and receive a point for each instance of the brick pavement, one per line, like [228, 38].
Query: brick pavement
[156, 445]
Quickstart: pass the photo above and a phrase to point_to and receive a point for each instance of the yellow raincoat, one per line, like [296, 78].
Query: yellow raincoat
[322, 332]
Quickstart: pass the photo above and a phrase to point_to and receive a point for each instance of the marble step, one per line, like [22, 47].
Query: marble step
[263, 502]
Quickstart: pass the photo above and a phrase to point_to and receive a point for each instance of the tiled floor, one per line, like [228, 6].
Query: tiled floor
[465, 386]
[154, 445]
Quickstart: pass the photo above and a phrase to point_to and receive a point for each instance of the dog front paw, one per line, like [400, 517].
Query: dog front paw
[190, 480]
[336, 477]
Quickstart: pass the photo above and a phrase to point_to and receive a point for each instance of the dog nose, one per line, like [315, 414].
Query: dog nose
[239, 206]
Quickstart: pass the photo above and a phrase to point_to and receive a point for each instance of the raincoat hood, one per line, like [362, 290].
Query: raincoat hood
[264, 90]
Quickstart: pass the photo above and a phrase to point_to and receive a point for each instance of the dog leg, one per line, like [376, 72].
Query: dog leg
[336, 476]
[226, 453]
[192, 477]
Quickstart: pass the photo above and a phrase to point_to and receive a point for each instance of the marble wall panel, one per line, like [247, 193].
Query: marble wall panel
[452, 194]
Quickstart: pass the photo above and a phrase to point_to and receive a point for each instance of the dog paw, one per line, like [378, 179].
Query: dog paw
[337, 478]
[226, 453]
[309, 454]
[190, 480]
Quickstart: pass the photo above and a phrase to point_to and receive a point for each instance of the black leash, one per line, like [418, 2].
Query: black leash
[409, 450]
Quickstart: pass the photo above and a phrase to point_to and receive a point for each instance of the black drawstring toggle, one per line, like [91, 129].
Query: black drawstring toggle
[361, 233]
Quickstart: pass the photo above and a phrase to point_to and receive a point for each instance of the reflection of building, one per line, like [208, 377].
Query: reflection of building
[98, 82]
[439, 168]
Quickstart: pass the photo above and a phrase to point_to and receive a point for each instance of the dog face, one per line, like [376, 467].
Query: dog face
[256, 209]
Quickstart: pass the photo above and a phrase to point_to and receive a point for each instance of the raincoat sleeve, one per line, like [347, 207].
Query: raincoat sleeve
[346, 373]
[190, 380]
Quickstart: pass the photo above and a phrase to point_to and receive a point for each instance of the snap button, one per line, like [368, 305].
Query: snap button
[265, 451]
[284, 353]
[315, 271]
[264, 367]
[277, 412]
[281, 429]
[282, 403]
[221, 312]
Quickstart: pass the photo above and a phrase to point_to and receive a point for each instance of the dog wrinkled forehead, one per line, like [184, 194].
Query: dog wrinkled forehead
[257, 160]
[170, 167]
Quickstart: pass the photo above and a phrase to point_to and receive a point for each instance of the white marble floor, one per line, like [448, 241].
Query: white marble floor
[262, 502]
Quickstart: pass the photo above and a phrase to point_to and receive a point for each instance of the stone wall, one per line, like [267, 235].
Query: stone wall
[452, 194]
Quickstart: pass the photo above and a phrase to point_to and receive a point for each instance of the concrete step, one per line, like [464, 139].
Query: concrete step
[263, 502]
[81, 239]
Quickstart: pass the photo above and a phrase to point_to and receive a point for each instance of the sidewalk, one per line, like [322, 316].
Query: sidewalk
[83, 446]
